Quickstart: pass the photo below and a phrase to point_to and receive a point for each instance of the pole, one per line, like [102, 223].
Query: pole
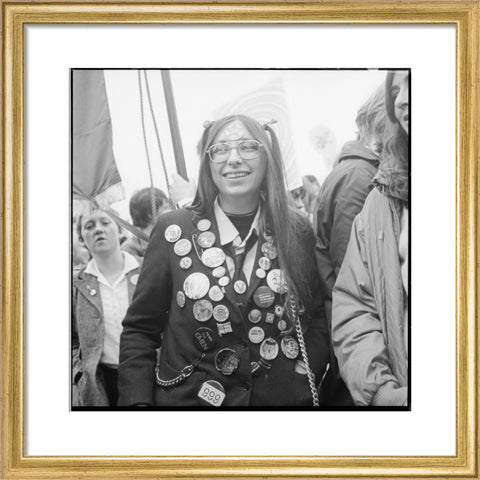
[173, 122]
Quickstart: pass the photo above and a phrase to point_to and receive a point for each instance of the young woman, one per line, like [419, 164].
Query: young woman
[102, 291]
[370, 298]
[227, 288]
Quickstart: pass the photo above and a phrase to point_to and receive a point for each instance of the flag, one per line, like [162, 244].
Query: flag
[96, 179]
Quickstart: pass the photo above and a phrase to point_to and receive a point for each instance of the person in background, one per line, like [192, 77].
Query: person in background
[143, 217]
[312, 189]
[341, 198]
[102, 291]
[221, 292]
[370, 298]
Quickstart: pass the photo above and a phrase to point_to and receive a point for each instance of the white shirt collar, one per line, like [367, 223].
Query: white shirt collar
[129, 263]
[227, 230]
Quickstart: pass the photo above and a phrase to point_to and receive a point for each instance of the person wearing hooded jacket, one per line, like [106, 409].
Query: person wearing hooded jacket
[370, 298]
[341, 198]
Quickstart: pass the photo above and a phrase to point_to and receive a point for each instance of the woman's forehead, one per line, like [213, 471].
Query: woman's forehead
[234, 130]
[95, 215]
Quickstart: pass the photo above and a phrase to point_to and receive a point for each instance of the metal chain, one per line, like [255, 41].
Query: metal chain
[184, 374]
[152, 193]
[303, 349]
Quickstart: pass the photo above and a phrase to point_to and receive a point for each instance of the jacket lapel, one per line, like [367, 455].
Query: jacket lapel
[87, 285]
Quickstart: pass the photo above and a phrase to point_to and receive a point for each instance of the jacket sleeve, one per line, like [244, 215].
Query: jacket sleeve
[357, 334]
[76, 357]
[144, 323]
[348, 198]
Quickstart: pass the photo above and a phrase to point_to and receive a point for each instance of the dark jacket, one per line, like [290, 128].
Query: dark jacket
[341, 199]
[155, 312]
[88, 333]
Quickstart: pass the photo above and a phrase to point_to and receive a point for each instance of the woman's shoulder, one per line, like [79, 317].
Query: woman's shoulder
[183, 217]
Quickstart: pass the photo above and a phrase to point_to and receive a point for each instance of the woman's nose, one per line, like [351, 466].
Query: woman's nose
[99, 229]
[234, 157]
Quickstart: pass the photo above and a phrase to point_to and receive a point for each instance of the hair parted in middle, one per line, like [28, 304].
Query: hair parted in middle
[395, 156]
[279, 216]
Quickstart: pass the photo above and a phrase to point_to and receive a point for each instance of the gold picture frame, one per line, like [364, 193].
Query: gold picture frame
[463, 14]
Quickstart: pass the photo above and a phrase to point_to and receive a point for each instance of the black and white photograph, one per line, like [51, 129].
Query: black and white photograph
[240, 239]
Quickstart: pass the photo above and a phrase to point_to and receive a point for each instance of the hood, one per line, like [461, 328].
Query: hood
[357, 151]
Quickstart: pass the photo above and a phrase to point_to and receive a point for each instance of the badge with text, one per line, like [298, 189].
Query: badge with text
[219, 272]
[263, 297]
[211, 393]
[173, 233]
[276, 281]
[256, 334]
[264, 263]
[196, 285]
[204, 339]
[224, 328]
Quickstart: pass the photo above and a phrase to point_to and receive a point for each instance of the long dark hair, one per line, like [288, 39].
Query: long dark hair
[278, 216]
[395, 156]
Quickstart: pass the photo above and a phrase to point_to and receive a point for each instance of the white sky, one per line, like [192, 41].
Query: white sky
[314, 97]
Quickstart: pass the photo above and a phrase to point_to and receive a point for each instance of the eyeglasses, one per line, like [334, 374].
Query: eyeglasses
[246, 149]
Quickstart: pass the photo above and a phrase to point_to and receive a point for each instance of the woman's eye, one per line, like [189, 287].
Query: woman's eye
[248, 146]
[223, 148]
[394, 92]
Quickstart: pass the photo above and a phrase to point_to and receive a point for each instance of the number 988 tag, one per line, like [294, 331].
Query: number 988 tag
[211, 393]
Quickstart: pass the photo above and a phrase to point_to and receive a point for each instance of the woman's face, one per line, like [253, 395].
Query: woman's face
[236, 177]
[399, 92]
[100, 233]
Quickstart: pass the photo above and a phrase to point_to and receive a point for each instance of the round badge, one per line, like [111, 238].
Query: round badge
[269, 349]
[237, 241]
[206, 239]
[290, 347]
[224, 281]
[282, 325]
[180, 299]
[204, 224]
[216, 294]
[213, 257]
[185, 263]
[182, 247]
[202, 310]
[270, 251]
[263, 297]
[227, 361]
[256, 334]
[260, 273]
[221, 313]
[196, 285]
[240, 286]
[279, 310]
[92, 292]
[275, 280]
[173, 233]
[204, 339]
[255, 315]
[265, 263]
[219, 272]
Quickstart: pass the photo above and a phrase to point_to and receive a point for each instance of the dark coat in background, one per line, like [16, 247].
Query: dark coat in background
[155, 312]
[341, 199]
[88, 333]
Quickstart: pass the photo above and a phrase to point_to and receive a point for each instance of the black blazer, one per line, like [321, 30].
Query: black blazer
[155, 318]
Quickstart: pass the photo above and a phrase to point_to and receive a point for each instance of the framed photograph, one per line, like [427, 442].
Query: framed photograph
[153, 79]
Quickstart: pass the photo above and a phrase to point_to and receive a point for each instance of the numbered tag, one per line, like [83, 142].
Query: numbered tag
[211, 393]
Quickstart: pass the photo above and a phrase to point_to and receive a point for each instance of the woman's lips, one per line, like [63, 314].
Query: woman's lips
[234, 175]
